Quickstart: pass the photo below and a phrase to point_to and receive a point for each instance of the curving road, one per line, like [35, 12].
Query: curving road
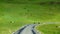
[28, 29]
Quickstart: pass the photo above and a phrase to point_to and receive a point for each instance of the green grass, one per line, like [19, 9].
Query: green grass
[30, 11]
[26, 1]
[22, 14]
[49, 29]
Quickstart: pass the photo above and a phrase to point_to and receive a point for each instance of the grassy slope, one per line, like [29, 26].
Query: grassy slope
[30, 11]
[21, 14]
[49, 29]
[29, 1]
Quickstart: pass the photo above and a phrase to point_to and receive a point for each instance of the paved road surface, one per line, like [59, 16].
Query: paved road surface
[28, 29]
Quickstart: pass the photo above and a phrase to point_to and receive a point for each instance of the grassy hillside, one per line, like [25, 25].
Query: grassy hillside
[27, 1]
[13, 16]
[30, 11]
[49, 29]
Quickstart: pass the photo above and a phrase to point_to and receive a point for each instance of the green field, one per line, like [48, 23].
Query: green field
[14, 15]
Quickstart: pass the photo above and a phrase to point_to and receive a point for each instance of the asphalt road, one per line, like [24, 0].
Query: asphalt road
[28, 29]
